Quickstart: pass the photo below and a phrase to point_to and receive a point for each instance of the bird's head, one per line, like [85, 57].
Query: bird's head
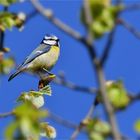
[51, 40]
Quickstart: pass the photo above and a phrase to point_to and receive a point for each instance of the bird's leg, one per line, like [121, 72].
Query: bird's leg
[48, 71]
[45, 81]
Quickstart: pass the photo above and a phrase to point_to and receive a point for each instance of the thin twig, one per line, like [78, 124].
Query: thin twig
[75, 87]
[77, 131]
[61, 121]
[108, 47]
[131, 7]
[31, 15]
[8, 114]
[108, 107]
[110, 37]
[134, 98]
[129, 27]
[83, 122]
[48, 14]
[91, 110]
[2, 34]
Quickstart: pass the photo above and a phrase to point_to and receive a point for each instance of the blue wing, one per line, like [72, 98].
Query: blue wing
[43, 48]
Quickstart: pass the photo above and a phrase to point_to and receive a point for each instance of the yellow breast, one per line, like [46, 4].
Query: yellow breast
[46, 60]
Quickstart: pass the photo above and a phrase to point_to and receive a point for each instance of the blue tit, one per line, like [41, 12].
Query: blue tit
[42, 59]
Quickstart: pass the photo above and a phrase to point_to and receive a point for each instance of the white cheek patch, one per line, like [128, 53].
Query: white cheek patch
[50, 42]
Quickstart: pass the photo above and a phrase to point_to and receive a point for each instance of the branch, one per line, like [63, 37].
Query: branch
[93, 56]
[131, 7]
[77, 131]
[48, 14]
[134, 98]
[2, 34]
[30, 16]
[8, 114]
[51, 115]
[101, 80]
[129, 27]
[110, 38]
[83, 122]
[61, 121]
[75, 87]
[108, 47]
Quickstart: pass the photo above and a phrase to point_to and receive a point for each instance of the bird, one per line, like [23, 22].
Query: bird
[42, 59]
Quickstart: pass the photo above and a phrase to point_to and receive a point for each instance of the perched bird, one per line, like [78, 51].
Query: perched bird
[42, 59]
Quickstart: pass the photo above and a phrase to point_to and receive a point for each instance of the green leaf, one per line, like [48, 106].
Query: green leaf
[104, 15]
[34, 97]
[26, 122]
[96, 125]
[29, 129]
[9, 23]
[97, 7]
[47, 131]
[118, 95]
[19, 20]
[6, 65]
[37, 101]
[8, 20]
[22, 97]
[98, 29]
[28, 110]
[98, 129]
[137, 126]
[96, 136]
[10, 130]
[46, 90]
[7, 2]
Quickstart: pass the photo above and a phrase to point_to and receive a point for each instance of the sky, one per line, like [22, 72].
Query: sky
[123, 63]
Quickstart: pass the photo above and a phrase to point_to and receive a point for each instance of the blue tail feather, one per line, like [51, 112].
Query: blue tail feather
[14, 75]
